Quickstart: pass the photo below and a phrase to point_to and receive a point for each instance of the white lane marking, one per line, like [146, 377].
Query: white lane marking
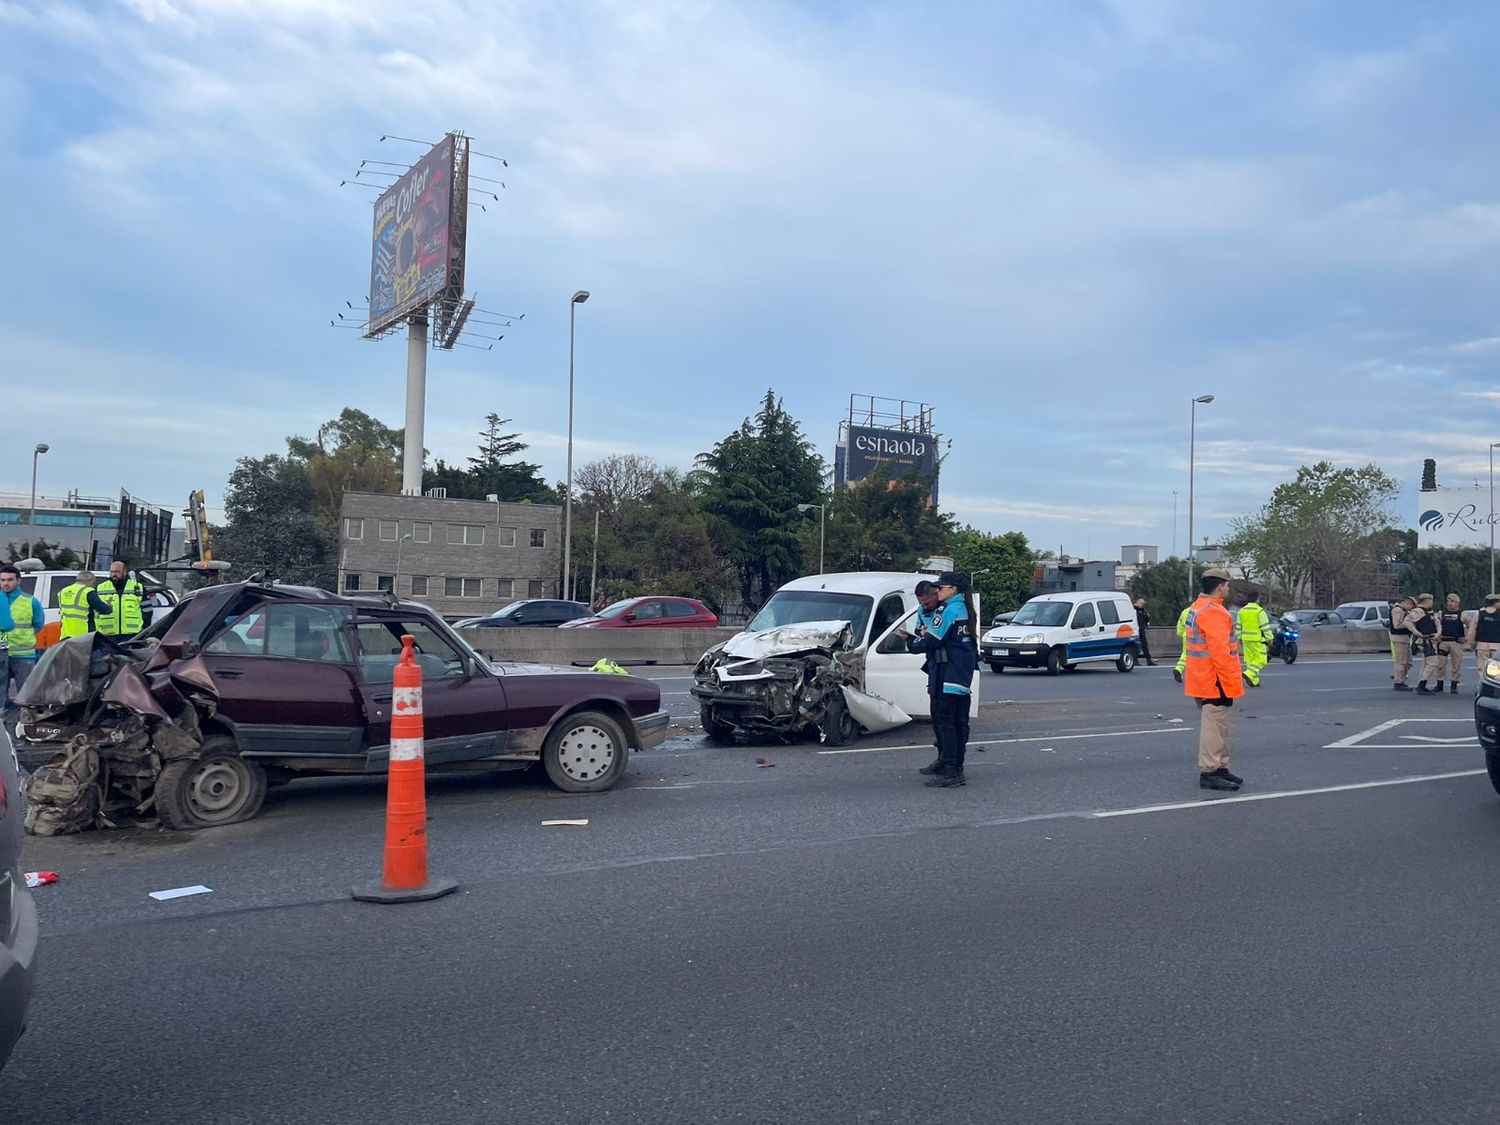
[662, 787]
[1005, 741]
[1463, 738]
[1349, 689]
[1212, 802]
[1380, 728]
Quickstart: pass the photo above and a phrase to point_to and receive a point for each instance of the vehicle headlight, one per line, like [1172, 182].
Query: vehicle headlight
[991, 636]
[1032, 639]
[1492, 670]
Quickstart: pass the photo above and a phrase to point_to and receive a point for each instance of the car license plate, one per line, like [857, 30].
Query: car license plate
[1001, 652]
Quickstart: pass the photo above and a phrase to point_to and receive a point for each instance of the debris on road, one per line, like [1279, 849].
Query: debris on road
[40, 878]
[565, 823]
[181, 892]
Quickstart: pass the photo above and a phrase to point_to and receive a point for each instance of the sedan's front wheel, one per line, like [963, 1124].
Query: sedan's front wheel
[218, 787]
[585, 752]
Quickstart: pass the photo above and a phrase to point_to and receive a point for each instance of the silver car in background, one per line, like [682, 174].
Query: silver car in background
[18, 925]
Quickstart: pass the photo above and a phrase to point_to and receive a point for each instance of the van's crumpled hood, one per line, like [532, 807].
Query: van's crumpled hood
[786, 640]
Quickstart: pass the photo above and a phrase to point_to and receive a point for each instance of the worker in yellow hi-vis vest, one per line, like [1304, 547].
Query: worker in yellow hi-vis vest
[1182, 637]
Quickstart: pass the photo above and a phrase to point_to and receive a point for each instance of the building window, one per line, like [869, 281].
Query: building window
[354, 529]
[385, 583]
[421, 533]
[538, 536]
[389, 529]
[466, 534]
[351, 583]
[536, 588]
[505, 589]
[507, 537]
[419, 585]
[461, 587]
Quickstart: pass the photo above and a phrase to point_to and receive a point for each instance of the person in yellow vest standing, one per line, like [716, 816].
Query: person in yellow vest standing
[1255, 636]
[20, 617]
[1182, 636]
[79, 606]
[124, 598]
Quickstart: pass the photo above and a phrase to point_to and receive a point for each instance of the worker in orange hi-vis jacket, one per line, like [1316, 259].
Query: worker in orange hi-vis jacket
[1212, 676]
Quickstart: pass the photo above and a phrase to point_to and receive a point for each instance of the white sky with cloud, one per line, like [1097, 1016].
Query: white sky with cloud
[1056, 220]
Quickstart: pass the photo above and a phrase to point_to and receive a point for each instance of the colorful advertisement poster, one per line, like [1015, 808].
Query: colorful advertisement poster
[411, 256]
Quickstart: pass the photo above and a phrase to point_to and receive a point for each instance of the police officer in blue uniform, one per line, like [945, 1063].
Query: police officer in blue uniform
[948, 641]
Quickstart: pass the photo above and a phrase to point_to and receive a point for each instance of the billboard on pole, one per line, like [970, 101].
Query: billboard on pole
[412, 254]
[908, 454]
[1454, 517]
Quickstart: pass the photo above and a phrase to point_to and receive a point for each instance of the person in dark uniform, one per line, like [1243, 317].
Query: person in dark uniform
[1484, 633]
[952, 654]
[1423, 623]
[927, 603]
[1143, 622]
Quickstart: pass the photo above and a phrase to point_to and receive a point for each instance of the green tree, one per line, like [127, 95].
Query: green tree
[1002, 565]
[1313, 538]
[490, 473]
[272, 524]
[52, 556]
[751, 484]
[352, 453]
[881, 524]
[1440, 571]
[1164, 586]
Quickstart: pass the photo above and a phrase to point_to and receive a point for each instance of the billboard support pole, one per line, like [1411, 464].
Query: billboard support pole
[416, 405]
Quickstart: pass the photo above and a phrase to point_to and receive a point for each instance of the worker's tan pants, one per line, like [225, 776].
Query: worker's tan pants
[1401, 655]
[1452, 655]
[1432, 667]
[1483, 654]
[1213, 737]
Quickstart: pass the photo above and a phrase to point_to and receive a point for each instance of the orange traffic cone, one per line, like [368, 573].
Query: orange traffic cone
[405, 878]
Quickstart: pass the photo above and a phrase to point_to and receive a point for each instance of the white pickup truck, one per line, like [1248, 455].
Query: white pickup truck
[45, 585]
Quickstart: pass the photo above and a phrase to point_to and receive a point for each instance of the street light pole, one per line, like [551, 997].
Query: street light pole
[1192, 465]
[578, 298]
[594, 567]
[396, 584]
[1174, 522]
[42, 448]
[821, 512]
[1493, 444]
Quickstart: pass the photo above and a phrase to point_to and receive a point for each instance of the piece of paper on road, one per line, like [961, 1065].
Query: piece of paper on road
[181, 892]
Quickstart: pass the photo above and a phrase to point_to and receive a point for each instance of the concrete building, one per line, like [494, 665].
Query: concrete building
[1060, 576]
[464, 558]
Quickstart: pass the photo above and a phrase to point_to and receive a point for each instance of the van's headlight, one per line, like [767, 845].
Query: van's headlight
[991, 636]
[1032, 639]
[1492, 670]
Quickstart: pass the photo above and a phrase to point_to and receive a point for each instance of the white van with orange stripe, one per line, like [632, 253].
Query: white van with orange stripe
[1060, 631]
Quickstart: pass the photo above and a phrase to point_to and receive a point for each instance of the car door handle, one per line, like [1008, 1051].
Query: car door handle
[383, 697]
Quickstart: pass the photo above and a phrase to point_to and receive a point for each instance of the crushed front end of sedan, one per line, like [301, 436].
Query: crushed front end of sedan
[788, 682]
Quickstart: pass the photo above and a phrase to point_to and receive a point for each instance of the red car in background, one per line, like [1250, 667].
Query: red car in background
[647, 612]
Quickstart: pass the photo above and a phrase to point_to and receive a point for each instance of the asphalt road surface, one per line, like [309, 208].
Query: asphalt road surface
[1079, 935]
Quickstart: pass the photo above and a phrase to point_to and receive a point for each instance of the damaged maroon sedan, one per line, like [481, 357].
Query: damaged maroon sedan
[244, 685]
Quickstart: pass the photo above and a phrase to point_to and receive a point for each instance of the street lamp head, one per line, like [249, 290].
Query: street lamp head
[41, 447]
[581, 296]
[808, 507]
[1204, 398]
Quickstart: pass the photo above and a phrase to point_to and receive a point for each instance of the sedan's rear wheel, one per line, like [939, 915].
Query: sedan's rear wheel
[585, 752]
[219, 787]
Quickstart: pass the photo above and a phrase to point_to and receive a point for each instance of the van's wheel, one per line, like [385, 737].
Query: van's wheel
[716, 729]
[1128, 659]
[996, 666]
[1057, 661]
[837, 727]
[585, 752]
[218, 787]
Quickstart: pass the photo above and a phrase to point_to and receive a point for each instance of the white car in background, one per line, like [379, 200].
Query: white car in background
[1365, 615]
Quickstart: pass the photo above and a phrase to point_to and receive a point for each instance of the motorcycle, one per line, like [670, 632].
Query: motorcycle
[1284, 643]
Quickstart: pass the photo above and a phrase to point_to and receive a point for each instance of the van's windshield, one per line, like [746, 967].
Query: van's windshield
[1047, 614]
[793, 607]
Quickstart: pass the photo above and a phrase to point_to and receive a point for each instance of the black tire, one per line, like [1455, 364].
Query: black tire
[1289, 654]
[718, 732]
[1057, 661]
[585, 752]
[996, 666]
[1128, 659]
[837, 727]
[1492, 764]
[214, 789]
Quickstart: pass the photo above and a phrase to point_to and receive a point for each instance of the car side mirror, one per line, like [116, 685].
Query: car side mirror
[520, 617]
[629, 617]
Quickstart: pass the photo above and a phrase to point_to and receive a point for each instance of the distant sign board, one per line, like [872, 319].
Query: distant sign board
[411, 257]
[908, 454]
[1454, 517]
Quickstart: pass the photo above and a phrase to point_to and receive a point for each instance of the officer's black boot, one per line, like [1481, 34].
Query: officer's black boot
[946, 778]
[933, 767]
[1453, 689]
[1423, 689]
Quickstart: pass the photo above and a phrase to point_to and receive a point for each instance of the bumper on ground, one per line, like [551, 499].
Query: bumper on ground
[651, 730]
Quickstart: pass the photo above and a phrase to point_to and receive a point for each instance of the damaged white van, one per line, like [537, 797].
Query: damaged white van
[822, 655]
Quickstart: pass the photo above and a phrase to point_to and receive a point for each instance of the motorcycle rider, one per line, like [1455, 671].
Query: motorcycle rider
[1401, 638]
[1453, 639]
[1424, 630]
[1255, 635]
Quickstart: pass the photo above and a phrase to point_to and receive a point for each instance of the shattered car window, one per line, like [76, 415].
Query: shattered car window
[1047, 614]
[794, 607]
